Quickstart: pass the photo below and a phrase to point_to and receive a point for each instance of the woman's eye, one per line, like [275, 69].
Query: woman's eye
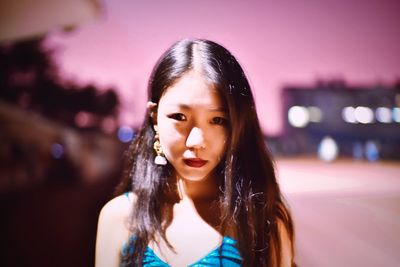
[218, 121]
[177, 117]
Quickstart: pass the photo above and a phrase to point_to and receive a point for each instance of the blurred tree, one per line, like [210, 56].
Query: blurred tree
[30, 79]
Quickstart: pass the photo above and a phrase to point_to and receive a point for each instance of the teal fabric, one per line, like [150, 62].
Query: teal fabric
[226, 255]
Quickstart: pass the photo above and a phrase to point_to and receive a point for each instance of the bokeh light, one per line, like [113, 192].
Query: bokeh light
[298, 116]
[328, 149]
[57, 150]
[364, 115]
[125, 134]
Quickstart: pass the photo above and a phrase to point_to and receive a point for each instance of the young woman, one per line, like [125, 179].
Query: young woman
[200, 184]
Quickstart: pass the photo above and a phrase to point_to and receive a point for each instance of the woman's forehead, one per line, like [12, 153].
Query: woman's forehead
[192, 90]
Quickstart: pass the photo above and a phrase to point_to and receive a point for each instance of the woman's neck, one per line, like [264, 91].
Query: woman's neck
[198, 198]
[202, 198]
[204, 190]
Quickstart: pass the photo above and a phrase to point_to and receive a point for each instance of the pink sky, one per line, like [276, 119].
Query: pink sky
[276, 42]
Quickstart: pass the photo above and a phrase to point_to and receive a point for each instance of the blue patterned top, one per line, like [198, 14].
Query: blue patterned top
[226, 255]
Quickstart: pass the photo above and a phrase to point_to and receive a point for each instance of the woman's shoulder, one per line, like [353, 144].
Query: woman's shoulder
[119, 203]
[113, 229]
[118, 208]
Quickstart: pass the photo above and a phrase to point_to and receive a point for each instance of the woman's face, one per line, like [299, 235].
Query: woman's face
[193, 126]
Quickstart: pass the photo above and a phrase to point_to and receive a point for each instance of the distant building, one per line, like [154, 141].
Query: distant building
[364, 122]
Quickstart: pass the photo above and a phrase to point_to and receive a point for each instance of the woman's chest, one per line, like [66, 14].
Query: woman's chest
[191, 238]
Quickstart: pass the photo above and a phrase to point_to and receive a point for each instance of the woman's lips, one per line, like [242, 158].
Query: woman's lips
[195, 162]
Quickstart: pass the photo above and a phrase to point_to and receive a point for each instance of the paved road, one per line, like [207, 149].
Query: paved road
[346, 213]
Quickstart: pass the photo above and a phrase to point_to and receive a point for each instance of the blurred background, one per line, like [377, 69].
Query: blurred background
[326, 79]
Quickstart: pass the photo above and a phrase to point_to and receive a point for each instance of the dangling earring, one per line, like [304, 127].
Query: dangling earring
[160, 158]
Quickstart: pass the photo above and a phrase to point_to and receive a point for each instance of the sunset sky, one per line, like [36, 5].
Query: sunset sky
[277, 43]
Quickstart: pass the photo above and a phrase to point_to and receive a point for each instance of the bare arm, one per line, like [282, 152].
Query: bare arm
[112, 231]
[286, 246]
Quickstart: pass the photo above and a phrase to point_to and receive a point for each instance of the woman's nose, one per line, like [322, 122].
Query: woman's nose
[195, 138]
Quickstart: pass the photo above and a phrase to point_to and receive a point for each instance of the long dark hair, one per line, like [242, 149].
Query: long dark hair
[250, 200]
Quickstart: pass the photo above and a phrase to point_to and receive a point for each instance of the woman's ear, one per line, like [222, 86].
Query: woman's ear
[152, 110]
